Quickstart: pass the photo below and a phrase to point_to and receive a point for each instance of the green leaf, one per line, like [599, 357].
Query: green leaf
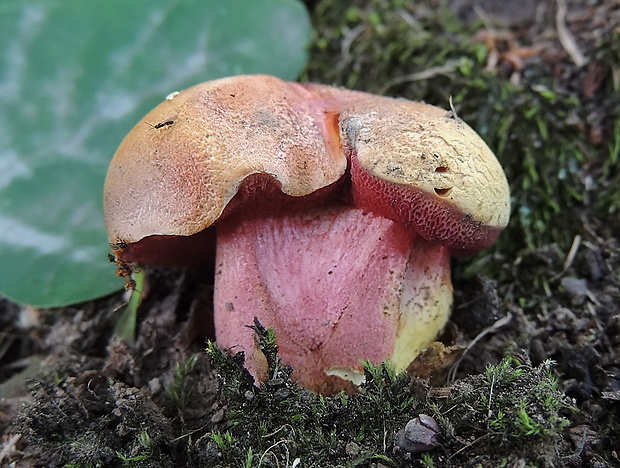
[75, 76]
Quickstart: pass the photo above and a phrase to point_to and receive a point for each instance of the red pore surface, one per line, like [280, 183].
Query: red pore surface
[329, 281]
[430, 216]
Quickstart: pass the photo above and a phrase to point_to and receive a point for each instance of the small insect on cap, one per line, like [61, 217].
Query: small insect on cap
[176, 176]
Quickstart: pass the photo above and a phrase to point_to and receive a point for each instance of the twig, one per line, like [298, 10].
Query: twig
[448, 67]
[497, 325]
[572, 252]
[291, 428]
[566, 38]
[469, 444]
[9, 446]
[193, 431]
[579, 450]
[489, 412]
[349, 37]
[455, 116]
[570, 257]
[283, 441]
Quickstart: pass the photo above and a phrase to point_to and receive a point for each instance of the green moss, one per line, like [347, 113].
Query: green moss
[378, 46]
[514, 408]
[179, 392]
[147, 453]
[280, 421]
[511, 410]
[607, 200]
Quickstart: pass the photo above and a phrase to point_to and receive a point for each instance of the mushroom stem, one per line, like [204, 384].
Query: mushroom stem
[311, 275]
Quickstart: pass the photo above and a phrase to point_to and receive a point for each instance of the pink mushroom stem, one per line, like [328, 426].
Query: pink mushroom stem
[338, 285]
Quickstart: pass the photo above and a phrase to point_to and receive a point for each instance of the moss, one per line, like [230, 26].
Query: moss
[511, 411]
[280, 421]
[607, 196]
[513, 406]
[179, 392]
[378, 46]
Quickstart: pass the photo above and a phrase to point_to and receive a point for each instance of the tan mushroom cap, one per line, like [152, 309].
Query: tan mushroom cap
[423, 166]
[178, 168]
[417, 145]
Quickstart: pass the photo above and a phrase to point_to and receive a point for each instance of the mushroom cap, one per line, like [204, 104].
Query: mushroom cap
[180, 169]
[420, 165]
[425, 147]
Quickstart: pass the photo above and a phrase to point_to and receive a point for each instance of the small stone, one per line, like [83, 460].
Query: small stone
[352, 449]
[281, 394]
[576, 287]
[421, 434]
[218, 417]
[278, 382]
[155, 385]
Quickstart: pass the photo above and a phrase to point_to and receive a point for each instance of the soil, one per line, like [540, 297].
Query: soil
[75, 394]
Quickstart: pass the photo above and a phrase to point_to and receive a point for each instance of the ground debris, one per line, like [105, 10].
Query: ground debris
[72, 422]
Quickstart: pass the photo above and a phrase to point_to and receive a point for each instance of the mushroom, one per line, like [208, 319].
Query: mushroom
[330, 214]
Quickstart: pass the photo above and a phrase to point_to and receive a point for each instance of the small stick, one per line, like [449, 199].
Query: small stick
[566, 38]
